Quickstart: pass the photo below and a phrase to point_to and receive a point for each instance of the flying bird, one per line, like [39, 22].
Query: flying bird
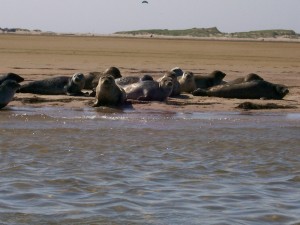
[144, 2]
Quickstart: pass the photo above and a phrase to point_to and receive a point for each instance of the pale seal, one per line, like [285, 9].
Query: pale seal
[60, 85]
[123, 81]
[210, 80]
[11, 76]
[92, 78]
[256, 89]
[187, 82]
[7, 91]
[176, 85]
[108, 93]
[150, 90]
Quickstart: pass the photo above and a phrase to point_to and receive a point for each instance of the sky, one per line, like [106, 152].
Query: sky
[109, 16]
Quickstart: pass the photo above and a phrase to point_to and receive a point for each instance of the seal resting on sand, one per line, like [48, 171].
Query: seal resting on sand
[210, 80]
[247, 78]
[176, 84]
[92, 78]
[178, 71]
[7, 91]
[60, 85]
[187, 82]
[108, 93]
[150, 90]
[123, 81]
[11, 76]
[256, 89]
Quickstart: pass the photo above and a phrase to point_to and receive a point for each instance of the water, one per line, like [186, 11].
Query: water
[100, 166]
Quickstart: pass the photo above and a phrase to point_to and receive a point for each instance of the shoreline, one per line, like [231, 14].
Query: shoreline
[37, 57]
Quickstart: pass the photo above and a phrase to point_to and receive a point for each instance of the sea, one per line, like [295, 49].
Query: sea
[107, 166]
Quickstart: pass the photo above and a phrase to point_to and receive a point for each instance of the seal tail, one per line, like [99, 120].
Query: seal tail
[199, 92]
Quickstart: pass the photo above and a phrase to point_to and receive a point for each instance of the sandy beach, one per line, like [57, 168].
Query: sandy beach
[37, 57]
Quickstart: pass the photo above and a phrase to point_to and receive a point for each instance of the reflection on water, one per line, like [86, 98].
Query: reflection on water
[100, 166]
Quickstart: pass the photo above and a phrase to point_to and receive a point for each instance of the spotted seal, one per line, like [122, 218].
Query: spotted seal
[255, 89]
[11, 76]
[207, 81]
[187, 82]
[92, 78]
[176, 85]
[59, 85]
[7, 91]
[150, 90]
[123, 81]
[108, 93]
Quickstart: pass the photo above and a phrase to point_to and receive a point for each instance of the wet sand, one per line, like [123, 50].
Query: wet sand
[37, 57]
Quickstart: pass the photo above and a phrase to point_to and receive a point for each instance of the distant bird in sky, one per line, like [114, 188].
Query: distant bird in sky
[145, 2]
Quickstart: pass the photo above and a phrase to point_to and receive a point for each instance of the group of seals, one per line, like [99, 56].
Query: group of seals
[111, 89]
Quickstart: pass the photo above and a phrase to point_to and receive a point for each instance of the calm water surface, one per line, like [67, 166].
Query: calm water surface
[97, 166]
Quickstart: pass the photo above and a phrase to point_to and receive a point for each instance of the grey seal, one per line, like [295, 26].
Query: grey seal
[92, 78]
[59, 85]
[11, 76]
[108, 93]
[150, 90]
[7, 91]
[255, 89]
[187, 82]
[123, 81]
[210, 80]
[176, 85]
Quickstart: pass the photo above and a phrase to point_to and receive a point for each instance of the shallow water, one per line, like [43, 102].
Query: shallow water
[99, 166]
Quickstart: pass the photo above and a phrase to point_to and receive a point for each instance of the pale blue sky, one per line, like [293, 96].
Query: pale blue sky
[109, 16]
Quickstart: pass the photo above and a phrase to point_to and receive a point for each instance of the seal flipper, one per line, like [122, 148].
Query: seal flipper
[199, 92]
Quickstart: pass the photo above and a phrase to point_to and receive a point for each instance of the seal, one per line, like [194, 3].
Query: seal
[187, 82]
[212, 79]
[150, 90]
[176, 85]
[247, 78]
[123, 81]
[60, 85]
[255, 89]
[11, 76]
[7, 91]
[92, 78]
[108, 93]
[178, 71]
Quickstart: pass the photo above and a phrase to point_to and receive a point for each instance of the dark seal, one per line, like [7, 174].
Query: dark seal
[61, 85]
[256, 89]
[7, 91]
[92, 78]
[11, 76]
[247, 78]
[210, 80]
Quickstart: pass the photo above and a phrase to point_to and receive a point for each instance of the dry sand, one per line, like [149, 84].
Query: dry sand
[37, 57]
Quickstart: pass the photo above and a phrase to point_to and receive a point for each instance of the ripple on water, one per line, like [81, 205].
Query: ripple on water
[90, 166]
